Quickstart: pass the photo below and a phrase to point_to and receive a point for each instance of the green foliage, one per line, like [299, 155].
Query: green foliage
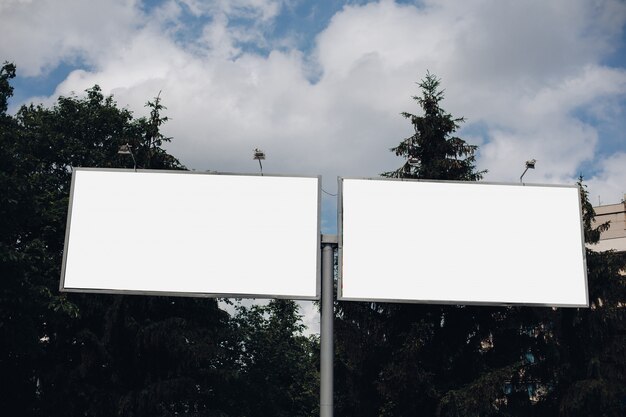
[7, 73]
[278, 362]
[592, 234]
[432, 152]
[106, 355]
[396, 360]
[591, 366]
[450, 361]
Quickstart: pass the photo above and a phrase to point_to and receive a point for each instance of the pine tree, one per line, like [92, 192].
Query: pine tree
[449, 361]
[432, 152]
[398, 359]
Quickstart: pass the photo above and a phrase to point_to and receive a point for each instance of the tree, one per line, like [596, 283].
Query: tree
[399, 359]
[432, 152]
[22, 252]
[589, 366]
[113, 355]
[448, 361]
[7, 73]
[93, 354]
[279, 364]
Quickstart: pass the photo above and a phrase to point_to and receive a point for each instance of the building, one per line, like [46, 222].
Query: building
[615, 237]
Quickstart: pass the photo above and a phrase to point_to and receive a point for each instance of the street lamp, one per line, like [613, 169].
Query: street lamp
[126, 149]
[259, 155]
[414, 162]
[529, 164]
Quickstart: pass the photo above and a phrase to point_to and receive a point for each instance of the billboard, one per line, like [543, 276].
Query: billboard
[461, 243]
[192, 234]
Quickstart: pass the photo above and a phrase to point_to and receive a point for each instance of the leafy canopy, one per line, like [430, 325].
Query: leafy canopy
[111, 355]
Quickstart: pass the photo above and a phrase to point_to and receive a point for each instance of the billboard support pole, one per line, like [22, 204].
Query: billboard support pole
[329, 243]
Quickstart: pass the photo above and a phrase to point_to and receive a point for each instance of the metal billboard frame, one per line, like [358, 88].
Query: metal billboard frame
[62, 287]
[340, 296]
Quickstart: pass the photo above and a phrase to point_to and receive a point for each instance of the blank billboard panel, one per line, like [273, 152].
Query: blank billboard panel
[182, 233]
[461, 243]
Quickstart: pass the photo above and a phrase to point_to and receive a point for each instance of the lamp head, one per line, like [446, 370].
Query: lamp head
[258, 154]
[124, 150]
[414, 162]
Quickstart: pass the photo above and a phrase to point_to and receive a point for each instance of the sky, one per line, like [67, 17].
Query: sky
[319, 86]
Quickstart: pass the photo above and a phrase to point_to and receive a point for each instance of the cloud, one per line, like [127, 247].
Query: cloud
[37, 35]
[544, 125]
[40, 34]
[609, 185]
[520, 72]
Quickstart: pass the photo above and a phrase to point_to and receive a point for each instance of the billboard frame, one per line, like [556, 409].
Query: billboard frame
[340, 296]
[317, 296]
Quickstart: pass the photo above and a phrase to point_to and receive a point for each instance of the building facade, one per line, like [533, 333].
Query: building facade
[615, 237]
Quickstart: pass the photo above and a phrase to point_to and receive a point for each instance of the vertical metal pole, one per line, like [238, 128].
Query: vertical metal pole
[326, 326]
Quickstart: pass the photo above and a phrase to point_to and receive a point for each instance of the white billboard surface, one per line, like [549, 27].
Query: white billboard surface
[462, 243]
[181, 233]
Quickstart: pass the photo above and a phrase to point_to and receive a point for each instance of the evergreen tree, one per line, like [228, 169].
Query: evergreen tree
[587, 368]
[432, 152]
[448, 361]
[396, 360]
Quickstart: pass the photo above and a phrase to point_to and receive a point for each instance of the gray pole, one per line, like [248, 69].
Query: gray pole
[326, 326]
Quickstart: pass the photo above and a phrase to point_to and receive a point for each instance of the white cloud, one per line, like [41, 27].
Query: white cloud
[37, 35]
[222, 36]
[542, 125]
[609, 185]
[395, 35]
[263, 10]
[519, 71]
[559, 148]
